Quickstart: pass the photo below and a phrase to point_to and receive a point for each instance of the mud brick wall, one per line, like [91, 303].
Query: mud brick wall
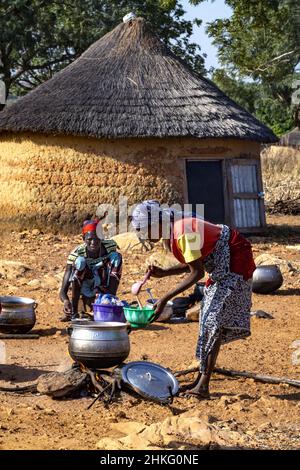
[58, 180]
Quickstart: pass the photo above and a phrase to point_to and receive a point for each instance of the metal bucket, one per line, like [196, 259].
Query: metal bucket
[17, 314]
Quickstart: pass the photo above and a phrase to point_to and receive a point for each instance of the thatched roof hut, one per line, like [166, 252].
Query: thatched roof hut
[128, 115]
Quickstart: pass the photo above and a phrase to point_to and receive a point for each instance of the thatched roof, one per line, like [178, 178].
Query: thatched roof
[291, 139]
[129, 84]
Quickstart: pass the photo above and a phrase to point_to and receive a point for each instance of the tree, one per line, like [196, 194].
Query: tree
[40, 37]
[259, 49]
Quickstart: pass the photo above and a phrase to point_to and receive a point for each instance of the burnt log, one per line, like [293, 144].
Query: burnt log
[61, 384]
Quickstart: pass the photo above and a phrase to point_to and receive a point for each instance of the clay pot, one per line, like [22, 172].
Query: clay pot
[266, 279]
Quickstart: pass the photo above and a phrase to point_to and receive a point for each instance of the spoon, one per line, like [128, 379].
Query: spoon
[150, 293]
[139, 302]
[136, 287]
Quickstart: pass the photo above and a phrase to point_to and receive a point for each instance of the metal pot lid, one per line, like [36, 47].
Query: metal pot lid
[16, 300]
[150, 380]
[98, 325]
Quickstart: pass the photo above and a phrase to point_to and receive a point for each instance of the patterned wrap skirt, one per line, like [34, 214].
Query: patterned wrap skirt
[226, 303]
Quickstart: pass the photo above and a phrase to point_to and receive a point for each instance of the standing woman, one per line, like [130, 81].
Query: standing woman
[220, 251]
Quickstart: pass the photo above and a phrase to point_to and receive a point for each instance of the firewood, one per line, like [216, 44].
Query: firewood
[19, 336]
[249, 375]
[61, 384]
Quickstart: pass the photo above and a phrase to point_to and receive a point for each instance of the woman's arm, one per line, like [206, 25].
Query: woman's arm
[159, 272]
[196, 273]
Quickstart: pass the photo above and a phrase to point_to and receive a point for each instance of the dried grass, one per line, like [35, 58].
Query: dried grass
[281, 176]
[129, 84]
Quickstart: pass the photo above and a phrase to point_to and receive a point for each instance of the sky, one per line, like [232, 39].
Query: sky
[206, 11]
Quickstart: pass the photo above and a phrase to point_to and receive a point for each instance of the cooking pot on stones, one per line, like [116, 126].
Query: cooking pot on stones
[17, 314]
[99, 345]
[266, 279]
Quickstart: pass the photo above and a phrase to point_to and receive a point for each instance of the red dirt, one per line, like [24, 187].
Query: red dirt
[270, 413]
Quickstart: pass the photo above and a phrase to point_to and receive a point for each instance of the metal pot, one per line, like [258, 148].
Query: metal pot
[17, 314]
[266, 279]
[99, 345]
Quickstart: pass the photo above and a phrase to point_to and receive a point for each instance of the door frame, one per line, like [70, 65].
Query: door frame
[227, 209]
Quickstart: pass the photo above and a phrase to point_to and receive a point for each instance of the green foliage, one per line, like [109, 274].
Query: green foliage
[259, 48]
[258, 100]
[39, 37]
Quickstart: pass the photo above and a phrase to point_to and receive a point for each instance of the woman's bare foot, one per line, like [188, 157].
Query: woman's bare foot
[198, 392]
[186, 387]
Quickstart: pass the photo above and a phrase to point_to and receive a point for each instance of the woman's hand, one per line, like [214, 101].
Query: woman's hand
[155, 271]
[158, 308]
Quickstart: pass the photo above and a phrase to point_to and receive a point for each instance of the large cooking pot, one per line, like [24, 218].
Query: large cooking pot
[17, 314]
[266, 279]
[99, 345]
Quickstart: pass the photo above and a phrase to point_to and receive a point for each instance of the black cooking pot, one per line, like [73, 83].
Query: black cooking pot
[266, 279]
[198, 293]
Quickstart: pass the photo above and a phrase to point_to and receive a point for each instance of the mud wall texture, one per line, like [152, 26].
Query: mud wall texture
[58, 180]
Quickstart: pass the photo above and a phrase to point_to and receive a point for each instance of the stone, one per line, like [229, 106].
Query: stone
[128, 242]
[128, 427]
[12, 270]
[34, 284]
[49, 411]
[189, 430]
[286, 267]
[262, 314]
[193, 313]
[50, 282]
[163, 260]
[38, 407]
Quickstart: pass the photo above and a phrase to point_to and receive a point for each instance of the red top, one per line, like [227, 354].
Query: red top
[207, 237]
[193, 238]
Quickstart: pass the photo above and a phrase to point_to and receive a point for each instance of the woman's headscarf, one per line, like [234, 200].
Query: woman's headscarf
[93, 225]
[150, 213]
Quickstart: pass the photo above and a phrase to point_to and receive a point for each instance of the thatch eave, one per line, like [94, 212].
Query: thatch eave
[129, 85]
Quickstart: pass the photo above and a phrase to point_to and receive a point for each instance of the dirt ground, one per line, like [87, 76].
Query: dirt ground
[270, 413]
